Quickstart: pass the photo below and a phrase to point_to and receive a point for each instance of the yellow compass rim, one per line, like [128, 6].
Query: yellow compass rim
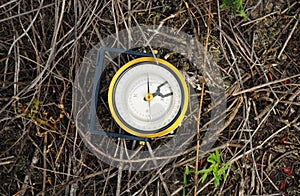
[185, 97]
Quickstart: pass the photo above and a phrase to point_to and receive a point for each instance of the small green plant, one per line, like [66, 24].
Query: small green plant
[186, 172]
[236, 6]
[29, 111]
[33, 108]
[217, 168]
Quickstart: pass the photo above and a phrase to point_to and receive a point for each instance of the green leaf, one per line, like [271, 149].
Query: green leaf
[212, 161]
[204, 177]
[223, 6]
[236, 6]
[222, 171]
[34, 104]
[186, 172]
[218, 156]
[216, 178]
[212, 158]
[216, 181]
[224, 174]
[240, 3]
[204, 171]
[227, 3]
[216, 168]
[243, 14]
[226, 165]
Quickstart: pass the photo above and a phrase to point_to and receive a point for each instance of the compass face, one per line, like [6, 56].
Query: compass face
[148, 97]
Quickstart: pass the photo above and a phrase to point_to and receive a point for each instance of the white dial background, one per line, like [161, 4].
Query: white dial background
[130, 91]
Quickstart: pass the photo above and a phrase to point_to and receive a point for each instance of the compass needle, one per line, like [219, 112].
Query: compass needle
[149, 96]
[148, 85]
[157, 92]
[149, 111]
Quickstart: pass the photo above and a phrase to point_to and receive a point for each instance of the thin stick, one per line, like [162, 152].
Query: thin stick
[67, 189]
[120, 170]
[44, 163]
[288, 39]
[264, 85]
[259, 19]
[198, 139]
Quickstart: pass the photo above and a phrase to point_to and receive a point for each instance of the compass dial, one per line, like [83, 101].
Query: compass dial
[148, 97]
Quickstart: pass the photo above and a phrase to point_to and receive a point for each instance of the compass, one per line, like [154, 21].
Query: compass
[148, 97]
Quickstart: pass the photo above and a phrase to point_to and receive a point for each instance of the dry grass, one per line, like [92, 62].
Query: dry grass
[42, 44]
